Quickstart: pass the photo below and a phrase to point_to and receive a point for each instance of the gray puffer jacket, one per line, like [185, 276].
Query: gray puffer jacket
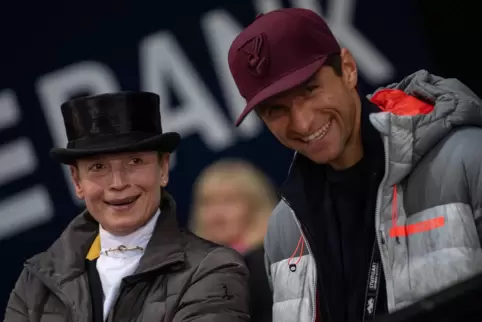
[429, 204]
[180, 278]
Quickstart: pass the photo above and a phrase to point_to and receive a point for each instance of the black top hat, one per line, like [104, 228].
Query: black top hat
[111, 123]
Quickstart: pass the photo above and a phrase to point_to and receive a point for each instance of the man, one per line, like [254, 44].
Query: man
[124, 258]
[382, 203]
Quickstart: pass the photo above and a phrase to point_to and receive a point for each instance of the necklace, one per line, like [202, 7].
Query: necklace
[122, 249]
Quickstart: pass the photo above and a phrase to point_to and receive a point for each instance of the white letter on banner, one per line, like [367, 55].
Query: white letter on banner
[373, 65]
[32, 206]
[220, 29]
[163, 62]
[59, 86]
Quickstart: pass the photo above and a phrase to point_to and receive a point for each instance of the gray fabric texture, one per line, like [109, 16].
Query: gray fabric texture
[180, 278]
[434, 160]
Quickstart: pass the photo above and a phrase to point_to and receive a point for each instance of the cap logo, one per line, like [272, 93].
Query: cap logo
[257, 55]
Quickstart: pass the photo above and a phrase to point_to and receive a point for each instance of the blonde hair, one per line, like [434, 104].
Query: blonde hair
[251, 182]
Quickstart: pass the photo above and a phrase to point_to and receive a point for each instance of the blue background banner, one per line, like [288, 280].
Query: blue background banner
[55, 50]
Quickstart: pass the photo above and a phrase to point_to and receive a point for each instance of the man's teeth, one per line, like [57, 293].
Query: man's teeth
[318, 134]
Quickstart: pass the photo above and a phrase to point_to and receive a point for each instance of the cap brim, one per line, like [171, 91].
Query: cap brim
[166, 142]
[285, 83]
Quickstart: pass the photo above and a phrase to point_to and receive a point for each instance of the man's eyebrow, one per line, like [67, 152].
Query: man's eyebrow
[260, 107]
[264, 106]
[309, 80]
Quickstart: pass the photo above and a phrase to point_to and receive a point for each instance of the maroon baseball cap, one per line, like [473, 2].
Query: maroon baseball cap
[278, 51]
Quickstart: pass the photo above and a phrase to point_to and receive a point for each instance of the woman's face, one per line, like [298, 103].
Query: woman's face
[224, 212]
[121, 191]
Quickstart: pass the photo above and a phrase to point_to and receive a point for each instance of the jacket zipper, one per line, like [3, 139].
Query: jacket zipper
[124, 283]
[57, 292]
[378, 206]
[313, 302]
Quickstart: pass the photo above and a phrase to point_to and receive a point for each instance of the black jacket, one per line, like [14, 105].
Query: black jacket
[307, 192]
[261, 298]
[180, 278]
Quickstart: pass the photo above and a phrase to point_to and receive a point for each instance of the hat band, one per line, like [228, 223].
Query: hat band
[109, 140]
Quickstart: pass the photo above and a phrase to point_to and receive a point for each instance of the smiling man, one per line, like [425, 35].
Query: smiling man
[125, 258]
[382, 204]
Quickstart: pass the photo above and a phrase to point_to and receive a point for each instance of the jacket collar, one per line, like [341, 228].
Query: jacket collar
[304, 173]
[65, 259]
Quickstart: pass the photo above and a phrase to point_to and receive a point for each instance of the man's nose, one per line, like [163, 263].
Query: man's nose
[301, 117]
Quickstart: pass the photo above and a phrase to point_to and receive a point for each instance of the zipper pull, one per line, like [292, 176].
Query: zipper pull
[382, 237]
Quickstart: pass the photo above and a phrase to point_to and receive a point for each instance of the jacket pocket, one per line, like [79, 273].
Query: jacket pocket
[437, 257]
[294, 289]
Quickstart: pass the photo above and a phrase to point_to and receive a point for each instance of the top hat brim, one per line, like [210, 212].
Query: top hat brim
[166, 142]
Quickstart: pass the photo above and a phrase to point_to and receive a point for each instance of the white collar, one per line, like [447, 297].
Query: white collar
[138, 238]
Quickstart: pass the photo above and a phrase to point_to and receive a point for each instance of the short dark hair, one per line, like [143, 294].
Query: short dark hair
[334, 61]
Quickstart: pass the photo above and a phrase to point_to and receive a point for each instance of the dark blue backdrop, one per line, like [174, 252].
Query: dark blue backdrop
[56, 49]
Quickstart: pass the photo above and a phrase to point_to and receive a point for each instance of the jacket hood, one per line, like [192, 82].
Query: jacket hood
[418, 112]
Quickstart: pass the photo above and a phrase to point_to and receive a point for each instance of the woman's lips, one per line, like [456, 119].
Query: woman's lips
[122, 204]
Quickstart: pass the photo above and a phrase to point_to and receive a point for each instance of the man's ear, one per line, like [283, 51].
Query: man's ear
[349, 68]
[164, 168]
[74, 173]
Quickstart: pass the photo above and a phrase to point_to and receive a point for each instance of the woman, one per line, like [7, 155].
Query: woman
[125, 258]
[232, 204]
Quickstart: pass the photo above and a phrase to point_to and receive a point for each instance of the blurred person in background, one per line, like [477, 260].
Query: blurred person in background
[124, 258]
[383, 201]
[232, 204]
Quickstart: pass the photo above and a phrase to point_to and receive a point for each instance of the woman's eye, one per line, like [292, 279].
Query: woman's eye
[136, 161]
[96, 167]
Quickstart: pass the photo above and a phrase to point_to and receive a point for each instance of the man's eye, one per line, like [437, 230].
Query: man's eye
[310, 88]
[275, 110]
